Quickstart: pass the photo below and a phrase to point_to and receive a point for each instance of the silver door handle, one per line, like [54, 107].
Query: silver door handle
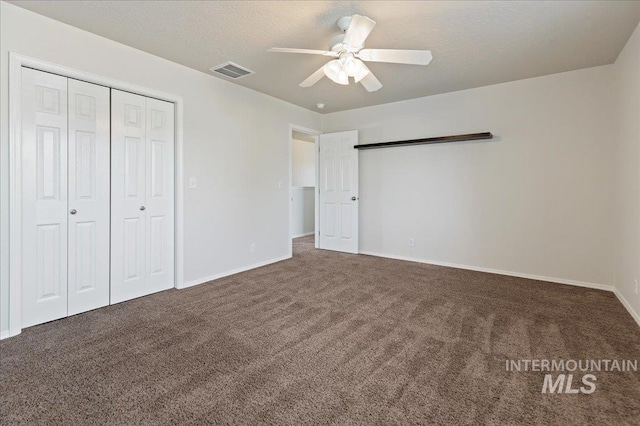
[141, 207]
[354, 198]
[73, 211]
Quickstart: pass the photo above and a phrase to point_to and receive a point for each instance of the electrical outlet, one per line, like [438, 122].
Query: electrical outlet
[252, 248]
[193, 182]
[412, 242]
[636, 281]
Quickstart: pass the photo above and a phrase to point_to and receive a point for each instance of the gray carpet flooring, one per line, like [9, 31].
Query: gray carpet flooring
[326, 338]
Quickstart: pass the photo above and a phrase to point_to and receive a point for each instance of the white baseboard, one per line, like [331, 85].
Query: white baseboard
[627, 305]
[5, 334]
[233, 272]
[496, 271]
[303, 235]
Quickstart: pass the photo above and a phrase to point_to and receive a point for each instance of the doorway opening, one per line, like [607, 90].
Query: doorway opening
[303, 148]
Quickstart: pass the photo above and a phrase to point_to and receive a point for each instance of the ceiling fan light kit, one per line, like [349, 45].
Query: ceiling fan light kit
[334, 70]
[349, 53]
[339, 70]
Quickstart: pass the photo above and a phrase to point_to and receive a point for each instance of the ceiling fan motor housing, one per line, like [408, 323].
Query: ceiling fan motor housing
[336, 44]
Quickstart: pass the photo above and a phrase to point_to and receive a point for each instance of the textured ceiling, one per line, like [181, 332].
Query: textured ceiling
[473, 43]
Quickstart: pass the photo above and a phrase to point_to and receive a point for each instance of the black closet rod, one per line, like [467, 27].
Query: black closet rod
[439, 139]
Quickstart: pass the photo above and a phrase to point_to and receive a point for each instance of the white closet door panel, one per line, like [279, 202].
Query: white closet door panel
[128, 196]
[338, 191]
[160, 194]
[44, 197]
[89, 181]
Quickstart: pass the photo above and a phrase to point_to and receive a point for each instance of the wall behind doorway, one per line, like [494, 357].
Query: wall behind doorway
[303, 185]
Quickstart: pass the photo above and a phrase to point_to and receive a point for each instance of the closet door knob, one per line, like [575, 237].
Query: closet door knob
[73, 211]
[141, 207]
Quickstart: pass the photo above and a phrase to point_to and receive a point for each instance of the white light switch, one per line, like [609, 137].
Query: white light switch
[280, 184]
[193, 182]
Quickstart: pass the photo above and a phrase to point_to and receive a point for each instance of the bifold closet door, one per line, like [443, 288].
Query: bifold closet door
[89, 181]
[44, 197]
[65, 196]
[142, 192]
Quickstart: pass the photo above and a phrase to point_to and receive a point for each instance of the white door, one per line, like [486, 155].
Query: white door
[159, 195]
[88, 245]
[44, 197]
[141, 196]
[128, 170]
[338, 191]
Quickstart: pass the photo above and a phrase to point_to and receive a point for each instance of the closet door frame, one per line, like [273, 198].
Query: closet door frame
[14, 254]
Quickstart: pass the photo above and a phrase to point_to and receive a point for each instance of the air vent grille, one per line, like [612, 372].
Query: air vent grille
[231, 70]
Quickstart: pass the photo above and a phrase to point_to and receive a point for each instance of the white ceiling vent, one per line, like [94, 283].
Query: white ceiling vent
[231, 70]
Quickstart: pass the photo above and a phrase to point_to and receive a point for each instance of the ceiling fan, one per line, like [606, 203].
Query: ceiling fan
[349, 53]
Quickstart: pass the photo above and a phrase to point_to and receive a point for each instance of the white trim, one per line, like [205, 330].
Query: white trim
[15, 196]
[306, 234]
[315, 134]
[604, 287]
[627, 305]
[16, 62]
[235, 271]
[179, 195]
[316, 194]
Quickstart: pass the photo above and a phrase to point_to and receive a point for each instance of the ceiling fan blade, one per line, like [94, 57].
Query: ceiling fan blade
[358, 31]
[308, 51]
[370, 82]
[313, 78]
[395, 56]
